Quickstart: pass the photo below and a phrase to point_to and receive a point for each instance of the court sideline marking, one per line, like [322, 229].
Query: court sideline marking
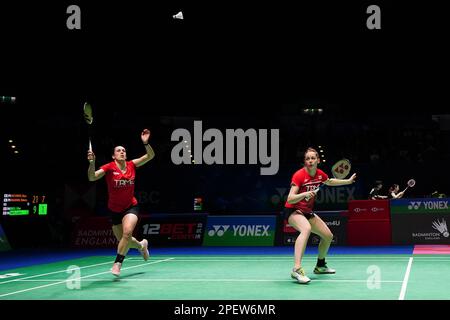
[54, 272]
[218, 280]
[89, 276]
[405, 280]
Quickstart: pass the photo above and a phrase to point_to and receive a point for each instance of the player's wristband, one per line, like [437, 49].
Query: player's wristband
[146, 144]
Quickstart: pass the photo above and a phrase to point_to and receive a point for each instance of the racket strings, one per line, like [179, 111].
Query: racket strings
[88, 114]
[341, 169]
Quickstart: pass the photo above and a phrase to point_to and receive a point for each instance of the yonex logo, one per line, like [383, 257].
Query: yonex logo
[430, 205]
[251, 230]
[414, 205]
[241, 230]
[358, 210]
[219, 230]
[441, 227]
[375, 209]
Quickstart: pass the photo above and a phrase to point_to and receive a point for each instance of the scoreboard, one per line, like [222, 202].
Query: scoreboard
[24, 204]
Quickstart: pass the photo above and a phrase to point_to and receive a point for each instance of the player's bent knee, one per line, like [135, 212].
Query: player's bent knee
[127, 236]
[306, 231]
[328, 237]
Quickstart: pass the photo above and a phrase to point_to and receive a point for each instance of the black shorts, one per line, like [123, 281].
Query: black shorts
[116, 217]
[288, 211]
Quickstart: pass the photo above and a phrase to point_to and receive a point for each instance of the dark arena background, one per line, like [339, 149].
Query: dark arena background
[281, 77]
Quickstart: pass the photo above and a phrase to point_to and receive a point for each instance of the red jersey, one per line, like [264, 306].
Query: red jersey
[120, 186]
[306, 183]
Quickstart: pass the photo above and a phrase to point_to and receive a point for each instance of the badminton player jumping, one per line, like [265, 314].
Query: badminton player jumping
[123, 206]
[300, 215]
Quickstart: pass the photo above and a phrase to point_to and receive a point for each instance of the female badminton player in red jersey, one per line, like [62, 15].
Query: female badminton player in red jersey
[300, 215]
[123, 206]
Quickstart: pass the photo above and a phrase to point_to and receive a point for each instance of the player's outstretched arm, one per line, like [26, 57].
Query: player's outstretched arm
[92, 174]
[149, 155]
[340, 182]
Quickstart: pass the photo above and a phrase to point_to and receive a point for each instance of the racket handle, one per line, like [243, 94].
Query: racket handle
[307, 197]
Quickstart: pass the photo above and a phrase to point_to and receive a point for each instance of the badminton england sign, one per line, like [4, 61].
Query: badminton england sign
[420, 221]
[420, 229]
[257, 147]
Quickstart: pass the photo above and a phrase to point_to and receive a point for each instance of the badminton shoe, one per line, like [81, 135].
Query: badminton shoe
[115, 270]
[144, 250]
[324, 270]
[299, 275]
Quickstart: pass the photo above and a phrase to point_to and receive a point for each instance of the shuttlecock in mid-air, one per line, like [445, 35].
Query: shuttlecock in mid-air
[179, 15]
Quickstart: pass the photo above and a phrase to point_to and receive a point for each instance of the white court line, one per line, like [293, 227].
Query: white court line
[306, 258]
[216, 280]
[405, 280]
[89, 276]
[431, 260]
[60, 271]
[290, 259]
[54, 272]
[314, 256]
[276, 260]
[280, 259]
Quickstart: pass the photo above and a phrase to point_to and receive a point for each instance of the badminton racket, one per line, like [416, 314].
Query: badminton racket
[340, 170]
[89, 118]
[411, 183]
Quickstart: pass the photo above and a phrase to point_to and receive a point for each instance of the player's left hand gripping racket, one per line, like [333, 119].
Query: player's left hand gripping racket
[315, 191]
[88, 117]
